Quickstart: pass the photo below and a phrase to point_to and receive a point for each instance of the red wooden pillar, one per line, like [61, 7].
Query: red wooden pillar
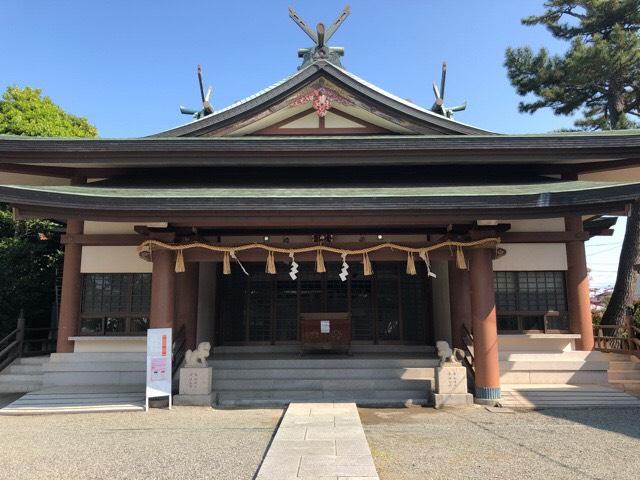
[578, 286]
[163, 283]
[460, 300]
[485, 326]
[69, 318]
[187, 302]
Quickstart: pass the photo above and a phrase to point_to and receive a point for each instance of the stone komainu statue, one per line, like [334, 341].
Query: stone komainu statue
[197, 357]
[448, 355]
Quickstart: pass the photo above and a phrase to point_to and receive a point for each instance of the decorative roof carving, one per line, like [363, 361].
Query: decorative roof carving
[320, 37]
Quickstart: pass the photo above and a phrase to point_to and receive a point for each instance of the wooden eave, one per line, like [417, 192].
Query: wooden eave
[578, 153]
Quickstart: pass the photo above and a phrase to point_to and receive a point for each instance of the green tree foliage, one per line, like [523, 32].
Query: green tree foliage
[30, 251]
[24, 111]
[598, 74]
[30, 256]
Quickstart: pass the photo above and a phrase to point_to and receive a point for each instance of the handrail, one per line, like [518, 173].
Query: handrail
[620, 338]
[18, 343]
[14, 347]
[179, 349]
[467, 340]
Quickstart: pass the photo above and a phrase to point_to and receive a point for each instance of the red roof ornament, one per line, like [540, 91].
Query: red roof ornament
[322, 99]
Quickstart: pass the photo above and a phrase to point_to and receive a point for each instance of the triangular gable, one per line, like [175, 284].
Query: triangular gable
[355, 106]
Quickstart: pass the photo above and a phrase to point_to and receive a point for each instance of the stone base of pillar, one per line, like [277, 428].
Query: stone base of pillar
[451, 387]
[185, 400]
[487, 396]
[195, 387]
[452, 400]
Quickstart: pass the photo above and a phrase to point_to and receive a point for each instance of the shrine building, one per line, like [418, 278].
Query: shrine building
[324, 198]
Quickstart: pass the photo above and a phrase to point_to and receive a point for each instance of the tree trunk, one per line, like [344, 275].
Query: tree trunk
[623, 292]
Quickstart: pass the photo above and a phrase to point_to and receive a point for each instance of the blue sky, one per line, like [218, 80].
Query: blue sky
[127, 65]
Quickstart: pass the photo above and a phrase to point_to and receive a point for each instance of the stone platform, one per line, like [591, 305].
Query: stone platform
[319, 441]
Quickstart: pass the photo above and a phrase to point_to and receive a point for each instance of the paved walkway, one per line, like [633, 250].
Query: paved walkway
[319, 441]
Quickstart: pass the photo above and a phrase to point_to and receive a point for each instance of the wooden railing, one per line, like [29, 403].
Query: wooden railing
[179, 349]
[623, 338]
[24, 342]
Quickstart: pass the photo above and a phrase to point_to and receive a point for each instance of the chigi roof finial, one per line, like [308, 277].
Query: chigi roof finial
[320, 36]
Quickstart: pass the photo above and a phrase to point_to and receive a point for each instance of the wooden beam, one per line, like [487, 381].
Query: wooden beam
[102, 239]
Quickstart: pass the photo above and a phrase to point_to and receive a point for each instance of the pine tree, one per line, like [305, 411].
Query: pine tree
[599, 74]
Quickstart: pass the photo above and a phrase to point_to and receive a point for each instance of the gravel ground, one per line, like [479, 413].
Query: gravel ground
[186, 442]
[420, 443]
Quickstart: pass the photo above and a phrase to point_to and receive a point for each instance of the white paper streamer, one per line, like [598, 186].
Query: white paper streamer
[344, 273]
[425, 256]
[233, 255]
[294, 268]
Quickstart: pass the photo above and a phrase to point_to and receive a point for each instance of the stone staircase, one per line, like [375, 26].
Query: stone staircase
[23, 375]
[367, 379]
[625, 375]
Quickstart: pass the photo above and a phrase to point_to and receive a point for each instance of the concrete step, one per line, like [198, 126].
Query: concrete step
[625, 375]
[565, 396]
[29, 369]
[345, 384]
[107, 366]
[33, 360]
[295, 349]
[322, 363]
[19, 378]
[84, 357]
[361, 397]
[21, 387]
[317, 373]
[615, 366]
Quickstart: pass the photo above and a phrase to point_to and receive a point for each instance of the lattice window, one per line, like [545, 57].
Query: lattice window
[524, 300]
[115, 303]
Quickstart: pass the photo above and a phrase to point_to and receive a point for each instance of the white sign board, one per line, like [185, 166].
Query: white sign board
[325, 326]
[159, 370]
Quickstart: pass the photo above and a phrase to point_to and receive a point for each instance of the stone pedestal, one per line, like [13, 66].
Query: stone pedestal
[451, 387]
[195, 387]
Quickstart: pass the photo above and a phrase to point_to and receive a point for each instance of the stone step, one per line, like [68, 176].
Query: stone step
[362, 397]
[21, 387]
[84, 357]
[322, 363]
[30, 369]
[33, 360]
[416, 373]
[624, 366]
[107, 366]
[321, 384]
[295, 349]
[625, 375]
[565, 365]
[19, 378]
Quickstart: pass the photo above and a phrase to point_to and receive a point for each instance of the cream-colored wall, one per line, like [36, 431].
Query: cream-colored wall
[532, 256]
[308, 121]
[336, 121]
[621, 175]
[441, 306]
[110, 344]
[123, 259]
